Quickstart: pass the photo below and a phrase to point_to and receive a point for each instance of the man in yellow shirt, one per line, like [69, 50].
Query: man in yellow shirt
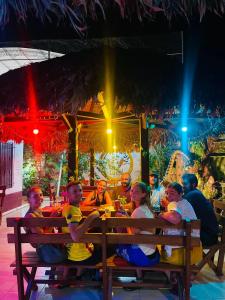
[78, 251]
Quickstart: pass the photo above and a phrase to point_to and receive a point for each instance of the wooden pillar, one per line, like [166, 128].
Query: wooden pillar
[144, 147]
[92, 167]
[70, 122]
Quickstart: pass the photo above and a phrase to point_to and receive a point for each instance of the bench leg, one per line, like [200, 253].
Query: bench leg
[31, 285]
[180, 285]
[187, 284]
[208, 258]
[20, 285]
[109, 285]
[219, 269]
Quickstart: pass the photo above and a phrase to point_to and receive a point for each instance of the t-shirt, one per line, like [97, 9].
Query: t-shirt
[156, 195]
[144, 212]
[204, 211]
[184, 208]
[76, 251]
[120, 191]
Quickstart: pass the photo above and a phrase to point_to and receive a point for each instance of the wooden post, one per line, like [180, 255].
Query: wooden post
[144, 148]
[70, 122]
[92, 167]
[187, 259]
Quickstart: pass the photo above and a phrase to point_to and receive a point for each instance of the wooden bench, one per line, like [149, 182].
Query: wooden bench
[27, 264]
[183, 272]
[210, 251]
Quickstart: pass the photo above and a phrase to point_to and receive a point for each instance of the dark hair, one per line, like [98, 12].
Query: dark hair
[176, 186]
[72, 183]
[32, 190]
[155, 176]
[192, 179]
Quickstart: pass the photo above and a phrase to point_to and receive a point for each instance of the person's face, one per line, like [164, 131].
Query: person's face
[36, 198]
[75, 193]
[152, 180]
[125, 180]
[136, 194]
[101, 187]
[172, 195]
[186, 185]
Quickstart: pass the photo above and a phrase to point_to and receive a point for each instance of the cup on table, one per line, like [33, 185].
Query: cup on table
[107, 213]
[117, 205]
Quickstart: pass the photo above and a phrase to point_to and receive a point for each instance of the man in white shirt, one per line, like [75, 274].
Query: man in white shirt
[157, 192]
[178, 209]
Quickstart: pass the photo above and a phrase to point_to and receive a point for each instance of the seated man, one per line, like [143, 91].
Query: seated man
[100, 196]
[178, 209]
[123, 190]
[71, 211]
[157, 192]
[203, 210]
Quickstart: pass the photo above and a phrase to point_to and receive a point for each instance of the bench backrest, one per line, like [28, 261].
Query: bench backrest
[105, 227]
[46, 238]
[152, 225]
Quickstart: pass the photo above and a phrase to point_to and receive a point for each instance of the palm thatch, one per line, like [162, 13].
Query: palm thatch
[79, 11]
[64, 84]
[144, 79]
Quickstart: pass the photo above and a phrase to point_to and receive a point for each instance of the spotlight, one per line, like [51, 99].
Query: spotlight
[109, 131]
[184, 129]
[114, 147]
[35, 131]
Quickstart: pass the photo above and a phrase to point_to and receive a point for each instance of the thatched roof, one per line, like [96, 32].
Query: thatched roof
[64, 84]
[142, 78]
[78, 13]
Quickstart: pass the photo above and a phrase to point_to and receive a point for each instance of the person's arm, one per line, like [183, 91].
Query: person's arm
[77, 230]
[88, 201]
[108, 198]
[171, 216]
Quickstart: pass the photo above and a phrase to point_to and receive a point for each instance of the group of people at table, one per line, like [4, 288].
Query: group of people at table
[176, 203]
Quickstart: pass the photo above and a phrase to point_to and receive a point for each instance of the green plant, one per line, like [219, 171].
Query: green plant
[159, 157]
[29, 174]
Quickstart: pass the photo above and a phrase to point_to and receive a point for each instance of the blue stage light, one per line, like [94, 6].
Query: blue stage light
[184, 129]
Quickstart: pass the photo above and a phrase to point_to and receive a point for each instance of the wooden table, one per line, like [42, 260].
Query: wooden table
[86, 210]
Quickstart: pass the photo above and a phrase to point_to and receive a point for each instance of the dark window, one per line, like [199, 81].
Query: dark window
[6, 164]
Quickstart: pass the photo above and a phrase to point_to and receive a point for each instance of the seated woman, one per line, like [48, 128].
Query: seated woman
[140, 255]
[178, 209]
[98, 197]
[47, 252]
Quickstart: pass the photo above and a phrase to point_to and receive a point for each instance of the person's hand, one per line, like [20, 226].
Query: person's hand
[164, 202]
[56, 212]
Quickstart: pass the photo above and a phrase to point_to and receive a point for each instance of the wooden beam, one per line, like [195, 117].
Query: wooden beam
[92, 167]
[70, 122]
[144, 150]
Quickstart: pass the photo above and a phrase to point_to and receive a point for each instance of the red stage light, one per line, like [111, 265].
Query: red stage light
[35, 131]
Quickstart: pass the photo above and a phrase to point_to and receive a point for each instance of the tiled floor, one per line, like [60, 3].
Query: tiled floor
[206, 287]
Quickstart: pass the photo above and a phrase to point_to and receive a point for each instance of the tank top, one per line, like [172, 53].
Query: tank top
[97, 200]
